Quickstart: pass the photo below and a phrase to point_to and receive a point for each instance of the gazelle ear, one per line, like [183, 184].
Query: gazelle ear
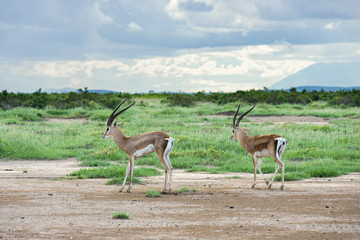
[121, 124]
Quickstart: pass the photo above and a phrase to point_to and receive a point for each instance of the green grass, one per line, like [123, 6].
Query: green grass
[120, 215]
[201, 141]
[152, 193]
[185, 189]
[113, 172]
[120, 180]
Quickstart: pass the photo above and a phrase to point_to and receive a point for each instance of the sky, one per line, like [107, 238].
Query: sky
[170, 45]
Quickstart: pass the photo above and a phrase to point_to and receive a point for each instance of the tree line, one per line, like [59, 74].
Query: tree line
[93, 100]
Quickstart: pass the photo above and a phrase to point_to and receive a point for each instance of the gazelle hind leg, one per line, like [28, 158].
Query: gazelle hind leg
[280, 164]
[126, 175]
[282, 177]
[272, 180]
[281, 145]
[260, 161]
[166, 156]
[166, 168]
[170, 168]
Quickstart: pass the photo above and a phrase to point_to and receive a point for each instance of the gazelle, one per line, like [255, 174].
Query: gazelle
[260, 146]
[139, 146]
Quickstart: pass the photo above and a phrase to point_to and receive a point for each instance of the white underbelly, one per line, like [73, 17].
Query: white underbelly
[263, 153]
[145, 151]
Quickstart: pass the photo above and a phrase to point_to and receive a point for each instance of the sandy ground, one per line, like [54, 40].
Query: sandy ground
[35, 206]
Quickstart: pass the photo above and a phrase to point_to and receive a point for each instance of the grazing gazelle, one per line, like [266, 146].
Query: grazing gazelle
[139, 146]
[260, 146]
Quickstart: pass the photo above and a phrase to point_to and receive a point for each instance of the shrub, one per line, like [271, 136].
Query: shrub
[183, 100]
[120, 215]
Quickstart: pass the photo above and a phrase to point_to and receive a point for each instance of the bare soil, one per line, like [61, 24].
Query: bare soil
[35, 206]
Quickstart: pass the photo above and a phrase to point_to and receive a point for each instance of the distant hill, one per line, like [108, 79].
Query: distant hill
[62, 90]
[326, 89]
[67, 90]
[342, 75]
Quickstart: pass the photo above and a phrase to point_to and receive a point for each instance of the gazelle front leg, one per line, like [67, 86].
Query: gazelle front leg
[131, 172]
[254, 162]
[126, 175]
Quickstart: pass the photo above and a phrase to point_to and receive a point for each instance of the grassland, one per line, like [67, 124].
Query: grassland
[201, 140]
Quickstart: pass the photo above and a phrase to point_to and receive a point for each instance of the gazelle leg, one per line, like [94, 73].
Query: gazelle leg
[166, 168]
[254, 163]
[260, 161]
[282, 176]
[170, 168]
[166, 157]
[280, 164]
[166, 179]
[126, 175]
[272, 180]
[131, 173]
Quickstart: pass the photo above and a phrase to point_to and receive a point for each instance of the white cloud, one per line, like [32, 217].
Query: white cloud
[98, 14]
[265, 61]
[173, 10]
[244, 16]
[219, 69]
[59, 69]
[332, 26]
[133, 27]
[5, 26]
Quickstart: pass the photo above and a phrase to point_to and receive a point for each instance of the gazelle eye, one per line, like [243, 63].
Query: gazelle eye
[108, 129]
[233, 130]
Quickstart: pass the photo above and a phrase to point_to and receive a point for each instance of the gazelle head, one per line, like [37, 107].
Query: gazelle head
[109, 125]
[236, 128]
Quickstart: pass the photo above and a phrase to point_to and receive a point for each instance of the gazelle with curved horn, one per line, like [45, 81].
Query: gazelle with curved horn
[260, 146]
[139, 146]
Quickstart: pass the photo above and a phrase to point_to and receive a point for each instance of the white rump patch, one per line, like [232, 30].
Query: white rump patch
[281, 144]
[145, 151]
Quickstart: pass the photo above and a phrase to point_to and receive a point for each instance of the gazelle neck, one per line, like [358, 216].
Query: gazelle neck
[119, 138]
[242, 137]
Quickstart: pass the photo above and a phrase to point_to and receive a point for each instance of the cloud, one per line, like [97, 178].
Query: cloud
[62, 69]
[332, 26]
[98, 14]
[244, 16]
[133, 27]
[216, 70]
[172, 43]
[196, 6]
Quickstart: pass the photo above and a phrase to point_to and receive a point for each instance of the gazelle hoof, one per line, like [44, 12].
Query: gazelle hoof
[128, 190]
[267, 182]
[269, 186]
[253, 186]
[281, 187]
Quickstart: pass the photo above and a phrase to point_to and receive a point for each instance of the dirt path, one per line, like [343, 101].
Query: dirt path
[33, 206]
